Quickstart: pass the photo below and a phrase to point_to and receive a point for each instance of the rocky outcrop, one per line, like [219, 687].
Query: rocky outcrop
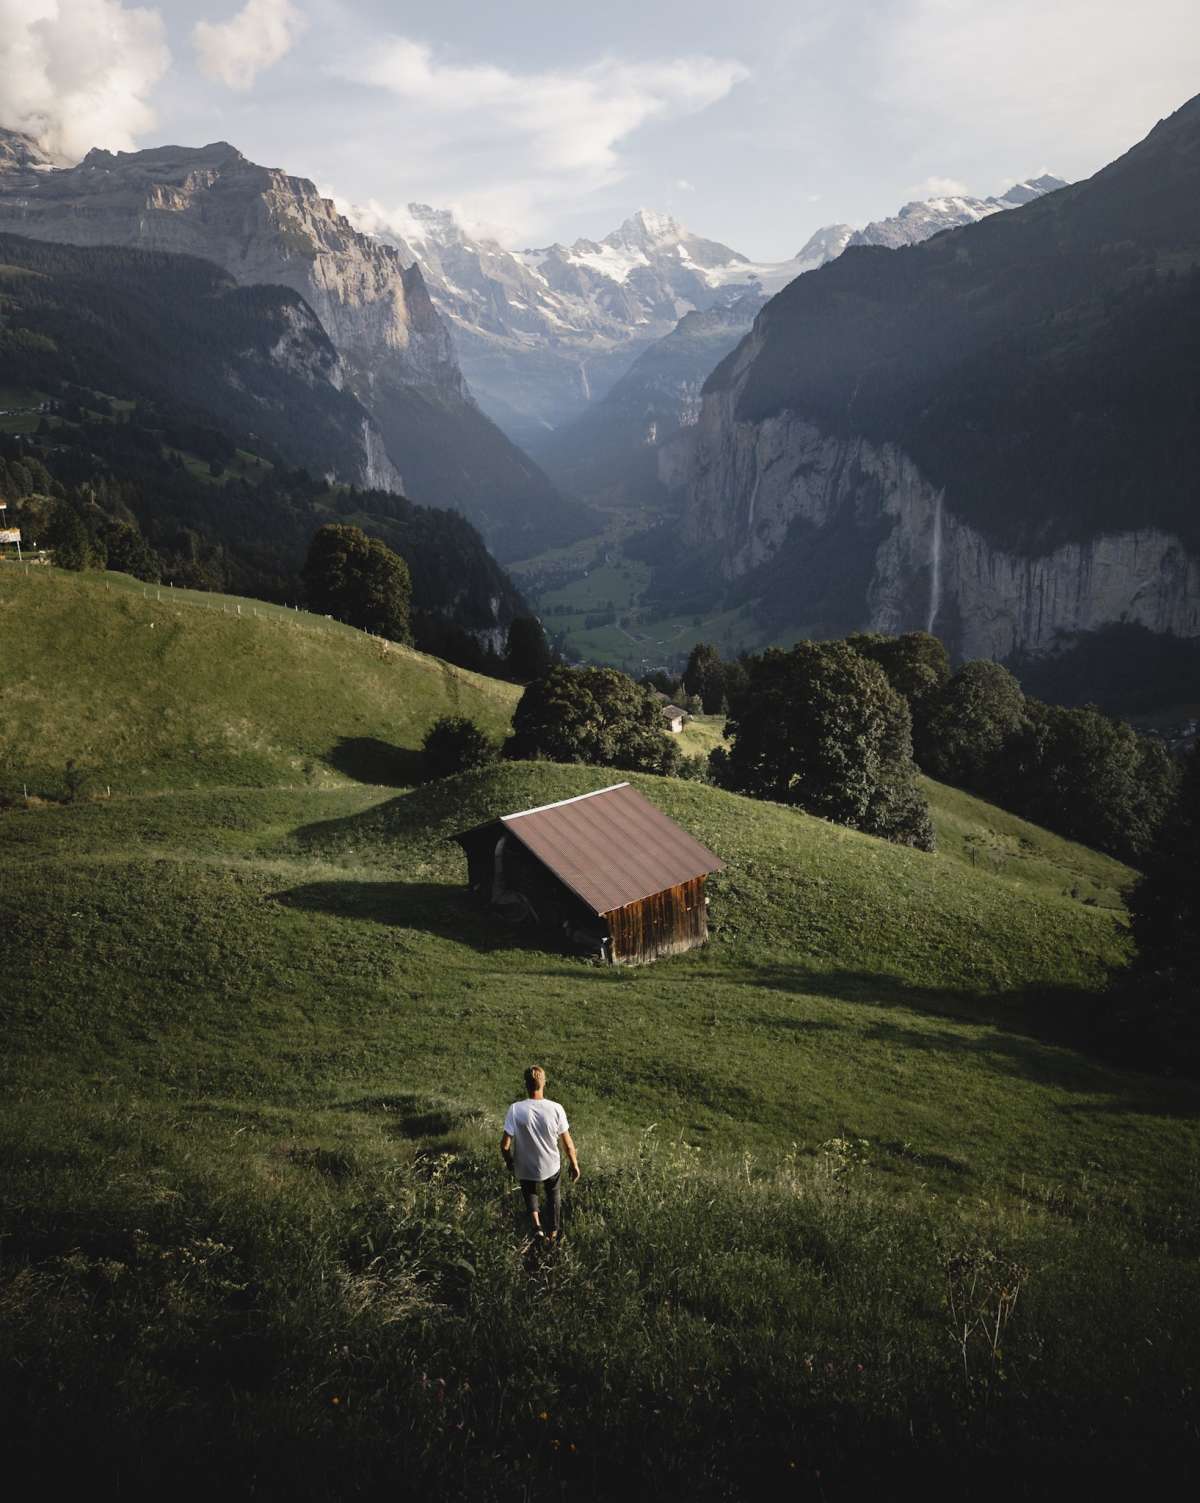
[263, 225]
[775, 492]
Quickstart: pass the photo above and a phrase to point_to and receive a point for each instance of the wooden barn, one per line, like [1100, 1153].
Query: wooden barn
[607, 871]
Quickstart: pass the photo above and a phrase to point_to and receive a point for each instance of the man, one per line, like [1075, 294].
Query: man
[533, 1130]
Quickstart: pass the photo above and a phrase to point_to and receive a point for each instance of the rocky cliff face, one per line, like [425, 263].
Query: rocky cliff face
[989, 434]
[261, 225]
[864, 540]
[265, 226]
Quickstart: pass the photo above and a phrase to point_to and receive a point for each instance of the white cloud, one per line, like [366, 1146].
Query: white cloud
[938, 187]
[77, 73]
[684, 186]
[565, 127]
[236, 51]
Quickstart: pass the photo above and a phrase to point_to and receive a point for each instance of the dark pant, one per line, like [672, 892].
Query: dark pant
[529, 1189]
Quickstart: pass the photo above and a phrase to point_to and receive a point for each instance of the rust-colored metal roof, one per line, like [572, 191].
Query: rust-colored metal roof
[611, 847]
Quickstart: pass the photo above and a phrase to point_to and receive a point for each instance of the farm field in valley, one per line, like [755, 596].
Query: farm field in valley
[259, 1042]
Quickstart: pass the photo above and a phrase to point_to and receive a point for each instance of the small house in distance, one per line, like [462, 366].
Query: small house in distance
[674, 717]
[607, 871]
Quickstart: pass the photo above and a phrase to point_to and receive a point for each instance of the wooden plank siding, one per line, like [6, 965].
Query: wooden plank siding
[663, 924]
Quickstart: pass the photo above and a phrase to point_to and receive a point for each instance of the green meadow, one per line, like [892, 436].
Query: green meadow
[860, 1208]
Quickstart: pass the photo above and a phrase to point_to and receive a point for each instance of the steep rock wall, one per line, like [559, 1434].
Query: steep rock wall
[754, 493]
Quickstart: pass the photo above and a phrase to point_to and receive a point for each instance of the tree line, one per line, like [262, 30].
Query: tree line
[1077, 771]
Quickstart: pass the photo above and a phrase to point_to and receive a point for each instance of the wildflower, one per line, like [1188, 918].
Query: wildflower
[335, 1399]
[571, 1447]
[554, 1445]
[543, 1416]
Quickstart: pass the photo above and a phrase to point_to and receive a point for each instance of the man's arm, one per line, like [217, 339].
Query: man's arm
[565, 1139]
[506, 1149]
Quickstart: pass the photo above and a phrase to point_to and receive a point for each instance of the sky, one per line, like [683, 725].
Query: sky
[753, 123]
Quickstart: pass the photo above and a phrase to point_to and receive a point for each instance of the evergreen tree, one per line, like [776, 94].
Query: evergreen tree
[704, 677]
[820, 727]
[527, 654]
[129, 553]
[70, 540]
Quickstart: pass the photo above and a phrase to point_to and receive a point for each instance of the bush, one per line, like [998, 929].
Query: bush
[455, 744]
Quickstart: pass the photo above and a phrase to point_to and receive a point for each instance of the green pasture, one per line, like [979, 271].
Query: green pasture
[860, 1207]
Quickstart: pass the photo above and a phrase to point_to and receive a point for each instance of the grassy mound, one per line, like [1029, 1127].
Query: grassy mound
[147, 688]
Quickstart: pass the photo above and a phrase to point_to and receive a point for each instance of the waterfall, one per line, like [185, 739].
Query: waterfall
[935, 564]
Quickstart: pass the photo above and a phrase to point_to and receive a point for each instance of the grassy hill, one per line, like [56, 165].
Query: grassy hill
[158, 688]
[258, 1044]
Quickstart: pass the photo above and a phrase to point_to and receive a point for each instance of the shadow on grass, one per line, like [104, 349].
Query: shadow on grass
[1053, 1014]
[432, 907]
[367, 759]
[411, 1116]
[1029, 1033]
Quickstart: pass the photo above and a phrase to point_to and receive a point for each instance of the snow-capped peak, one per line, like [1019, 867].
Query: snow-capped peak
[648, 230]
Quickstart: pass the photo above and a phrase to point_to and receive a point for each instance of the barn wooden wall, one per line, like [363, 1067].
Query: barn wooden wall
[663, 924]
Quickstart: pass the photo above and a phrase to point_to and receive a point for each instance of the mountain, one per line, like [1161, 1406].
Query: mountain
[542, 334]
[182, 402]
[266, 227]
[253, 362]
[926, 217]
[608, 452]
[994, 433]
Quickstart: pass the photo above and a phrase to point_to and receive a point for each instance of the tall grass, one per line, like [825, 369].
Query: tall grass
[311, 1320]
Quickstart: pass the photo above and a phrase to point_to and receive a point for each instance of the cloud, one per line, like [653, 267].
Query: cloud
[238, 50]
[684, 186]
[938, 187]
[77, 73]
[565, 127]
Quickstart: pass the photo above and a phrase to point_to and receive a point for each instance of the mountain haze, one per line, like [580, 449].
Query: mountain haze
[609, 451]
[183, 402]
[265, 226]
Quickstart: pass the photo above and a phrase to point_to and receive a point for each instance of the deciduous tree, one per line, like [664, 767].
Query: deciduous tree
[968, 724]
[359, 580]
[591, 715]
[820, 727]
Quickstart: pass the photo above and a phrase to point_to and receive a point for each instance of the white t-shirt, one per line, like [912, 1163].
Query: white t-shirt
[534, 1127]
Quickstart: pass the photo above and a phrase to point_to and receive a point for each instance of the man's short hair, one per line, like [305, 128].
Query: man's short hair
[535, 1078]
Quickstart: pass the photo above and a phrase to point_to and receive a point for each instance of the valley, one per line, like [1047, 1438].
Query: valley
[353, 522]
